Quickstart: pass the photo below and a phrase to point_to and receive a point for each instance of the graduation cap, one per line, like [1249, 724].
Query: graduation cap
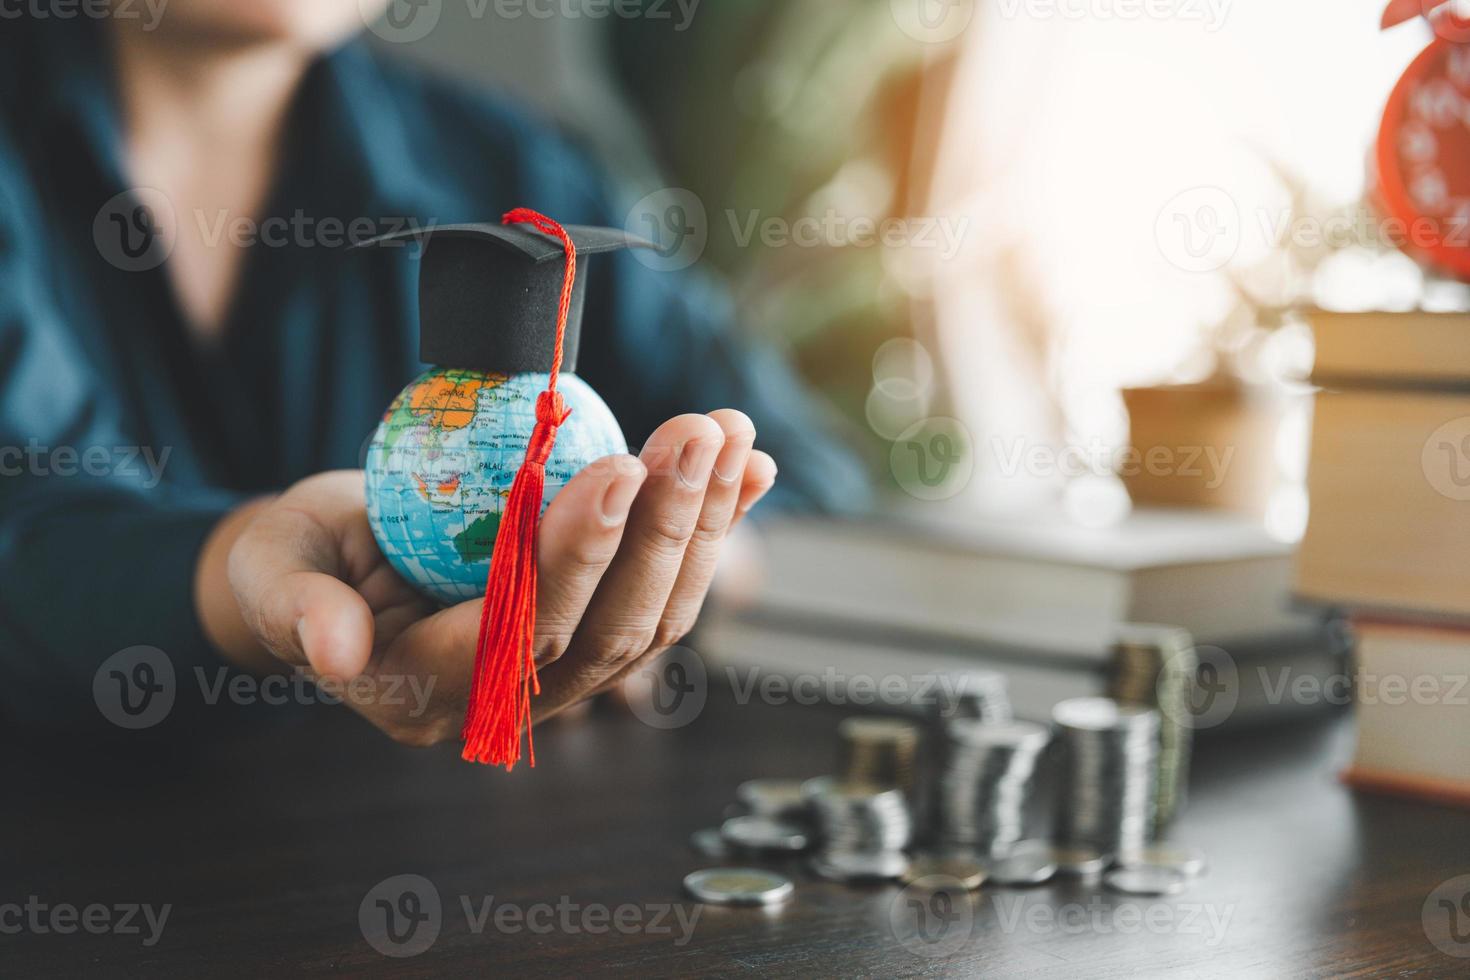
[503, 298]
[489, 294]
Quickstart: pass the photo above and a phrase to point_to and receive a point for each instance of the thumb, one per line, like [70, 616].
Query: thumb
[318, 620]
[281, 571]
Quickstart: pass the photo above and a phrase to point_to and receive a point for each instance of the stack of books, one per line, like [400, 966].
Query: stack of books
[876, 607]
[1389, 537]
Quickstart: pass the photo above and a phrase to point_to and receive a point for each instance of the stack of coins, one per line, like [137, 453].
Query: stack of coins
[1109, 766]
[1156, 667]
[987, 777]
[878, 752]
[858, 817]
[979, 695]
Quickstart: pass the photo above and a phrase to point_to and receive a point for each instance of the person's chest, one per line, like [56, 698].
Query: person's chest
[312, 343]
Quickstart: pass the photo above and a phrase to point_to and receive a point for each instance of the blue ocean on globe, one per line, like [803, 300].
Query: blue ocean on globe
[442, 462]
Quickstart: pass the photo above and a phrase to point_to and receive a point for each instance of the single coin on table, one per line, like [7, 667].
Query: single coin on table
[1025, 866]
[1079, 860]
[738, 886]
[966, 872]
[860, 865]
[764, 834]
[1185, 860]
[1146, 881]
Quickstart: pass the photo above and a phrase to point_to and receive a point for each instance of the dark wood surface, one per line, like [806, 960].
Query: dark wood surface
[266, 841]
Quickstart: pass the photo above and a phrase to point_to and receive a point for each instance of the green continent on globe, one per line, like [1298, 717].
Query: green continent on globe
[477, 542]
[443, 460]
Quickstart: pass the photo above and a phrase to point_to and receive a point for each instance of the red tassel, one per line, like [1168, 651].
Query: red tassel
[505, 664]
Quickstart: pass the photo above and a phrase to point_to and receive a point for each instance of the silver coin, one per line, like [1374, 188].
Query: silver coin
[710, 843]
[764, 834]
[1099, 714]
[1185, 860]
[1079, 860]
[772, 797]
[1026, 866]
[738, 886]
[1145, 881]
[858, 817]
[1109, 765]
[945, 870]
[1016, 848]
[860, 865]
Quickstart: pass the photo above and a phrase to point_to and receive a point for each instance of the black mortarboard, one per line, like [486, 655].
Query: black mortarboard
[489, 294]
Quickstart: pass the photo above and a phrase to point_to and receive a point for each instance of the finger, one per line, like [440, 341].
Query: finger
[283, 570]
[760, 476]
[720, 500]
[578, 539]
[622, 619]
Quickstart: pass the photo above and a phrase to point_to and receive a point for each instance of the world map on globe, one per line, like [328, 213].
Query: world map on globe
[442, 461]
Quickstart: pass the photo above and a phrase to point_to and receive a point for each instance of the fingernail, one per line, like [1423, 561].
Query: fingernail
[617, 499]
[730, 465]
[695, 461]
[752, 496]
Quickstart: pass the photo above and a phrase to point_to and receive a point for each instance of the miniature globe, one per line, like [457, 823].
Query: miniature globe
[442, 462]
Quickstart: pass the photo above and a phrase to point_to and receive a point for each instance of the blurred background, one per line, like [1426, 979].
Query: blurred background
[1084, 200]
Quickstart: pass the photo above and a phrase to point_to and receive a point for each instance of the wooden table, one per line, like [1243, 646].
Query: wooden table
[267, 841]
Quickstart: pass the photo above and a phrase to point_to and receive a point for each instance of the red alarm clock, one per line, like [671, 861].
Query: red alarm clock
[1423, 152]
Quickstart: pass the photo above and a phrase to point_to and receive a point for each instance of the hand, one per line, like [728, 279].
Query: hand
[627, 551]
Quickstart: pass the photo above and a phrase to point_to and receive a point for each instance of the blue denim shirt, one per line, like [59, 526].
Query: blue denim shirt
[124, 438]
